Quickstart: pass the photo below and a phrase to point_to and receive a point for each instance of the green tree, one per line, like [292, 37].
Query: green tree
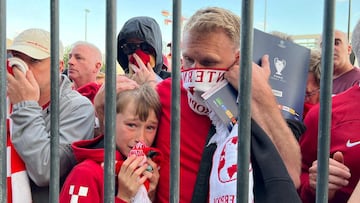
[66, 56]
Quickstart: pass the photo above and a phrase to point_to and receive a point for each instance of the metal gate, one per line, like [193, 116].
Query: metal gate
[244, 126]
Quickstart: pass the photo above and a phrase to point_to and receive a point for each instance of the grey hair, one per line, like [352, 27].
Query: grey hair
[90, 45]
[315, 65]
[355, 40]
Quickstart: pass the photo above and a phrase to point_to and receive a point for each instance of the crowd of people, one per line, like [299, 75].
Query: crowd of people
[343, 165]
[283, 153]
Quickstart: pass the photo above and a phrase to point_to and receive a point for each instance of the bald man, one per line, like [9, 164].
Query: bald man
[85, 62]
[345, 75]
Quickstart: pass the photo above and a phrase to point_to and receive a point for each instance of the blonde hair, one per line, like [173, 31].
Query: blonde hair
[315, 65]
[100, 75]
[214, 19]
[145, 98]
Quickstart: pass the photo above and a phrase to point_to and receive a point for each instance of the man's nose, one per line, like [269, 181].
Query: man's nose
[70, 61]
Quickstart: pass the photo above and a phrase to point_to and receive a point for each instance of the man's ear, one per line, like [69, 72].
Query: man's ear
[349, 49]
[61, 66]
[237, 57]
[98, 66]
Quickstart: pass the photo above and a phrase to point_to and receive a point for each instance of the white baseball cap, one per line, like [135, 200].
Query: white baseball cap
[34, 43]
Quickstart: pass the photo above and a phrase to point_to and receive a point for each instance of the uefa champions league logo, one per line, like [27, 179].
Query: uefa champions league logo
[280, 65]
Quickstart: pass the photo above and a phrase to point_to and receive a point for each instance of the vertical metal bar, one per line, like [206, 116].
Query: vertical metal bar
[86, 14]
[175, 105]
[349, 21]
[110, 94]
[3, 106]
[54, 105]
[325, 101]
[244, 121]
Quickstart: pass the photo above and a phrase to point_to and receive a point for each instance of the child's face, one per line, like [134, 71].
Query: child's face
[130, 129]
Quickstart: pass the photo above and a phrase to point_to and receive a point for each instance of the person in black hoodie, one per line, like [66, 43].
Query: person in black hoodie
[142, 36]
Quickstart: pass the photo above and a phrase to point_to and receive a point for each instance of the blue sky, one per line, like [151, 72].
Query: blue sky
[293, 17]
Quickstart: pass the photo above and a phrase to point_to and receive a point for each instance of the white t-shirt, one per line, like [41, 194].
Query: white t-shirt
[223, 176]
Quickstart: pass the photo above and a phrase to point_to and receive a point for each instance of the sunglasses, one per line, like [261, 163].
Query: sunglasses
[130, 48]
[312, 93]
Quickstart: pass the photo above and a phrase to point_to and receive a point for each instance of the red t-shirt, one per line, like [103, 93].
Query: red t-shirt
[344, 137]
[194, 129]
[346, 80]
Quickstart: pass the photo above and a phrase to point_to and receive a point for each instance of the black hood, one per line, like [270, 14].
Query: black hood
[146, 29]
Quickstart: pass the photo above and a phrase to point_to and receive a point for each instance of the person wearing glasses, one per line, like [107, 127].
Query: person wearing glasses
[344, 145]
[140, 49]
[344, 148]
[312, 94]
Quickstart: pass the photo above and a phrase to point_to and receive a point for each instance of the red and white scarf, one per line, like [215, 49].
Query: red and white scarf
[18, 186]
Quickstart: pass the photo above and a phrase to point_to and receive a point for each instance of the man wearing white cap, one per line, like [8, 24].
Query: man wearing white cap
[29, 93]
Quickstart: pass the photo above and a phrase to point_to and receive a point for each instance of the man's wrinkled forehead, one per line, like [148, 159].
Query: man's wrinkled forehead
[338, 36]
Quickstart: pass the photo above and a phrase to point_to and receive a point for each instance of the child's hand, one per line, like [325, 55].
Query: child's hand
[153, 177]
[130, 177]
[123, 83]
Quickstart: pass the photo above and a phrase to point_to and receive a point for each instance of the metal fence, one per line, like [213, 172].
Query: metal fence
[244, 127]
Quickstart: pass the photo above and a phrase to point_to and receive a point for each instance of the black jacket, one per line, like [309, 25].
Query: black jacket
[272, 183]
[148, 30]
